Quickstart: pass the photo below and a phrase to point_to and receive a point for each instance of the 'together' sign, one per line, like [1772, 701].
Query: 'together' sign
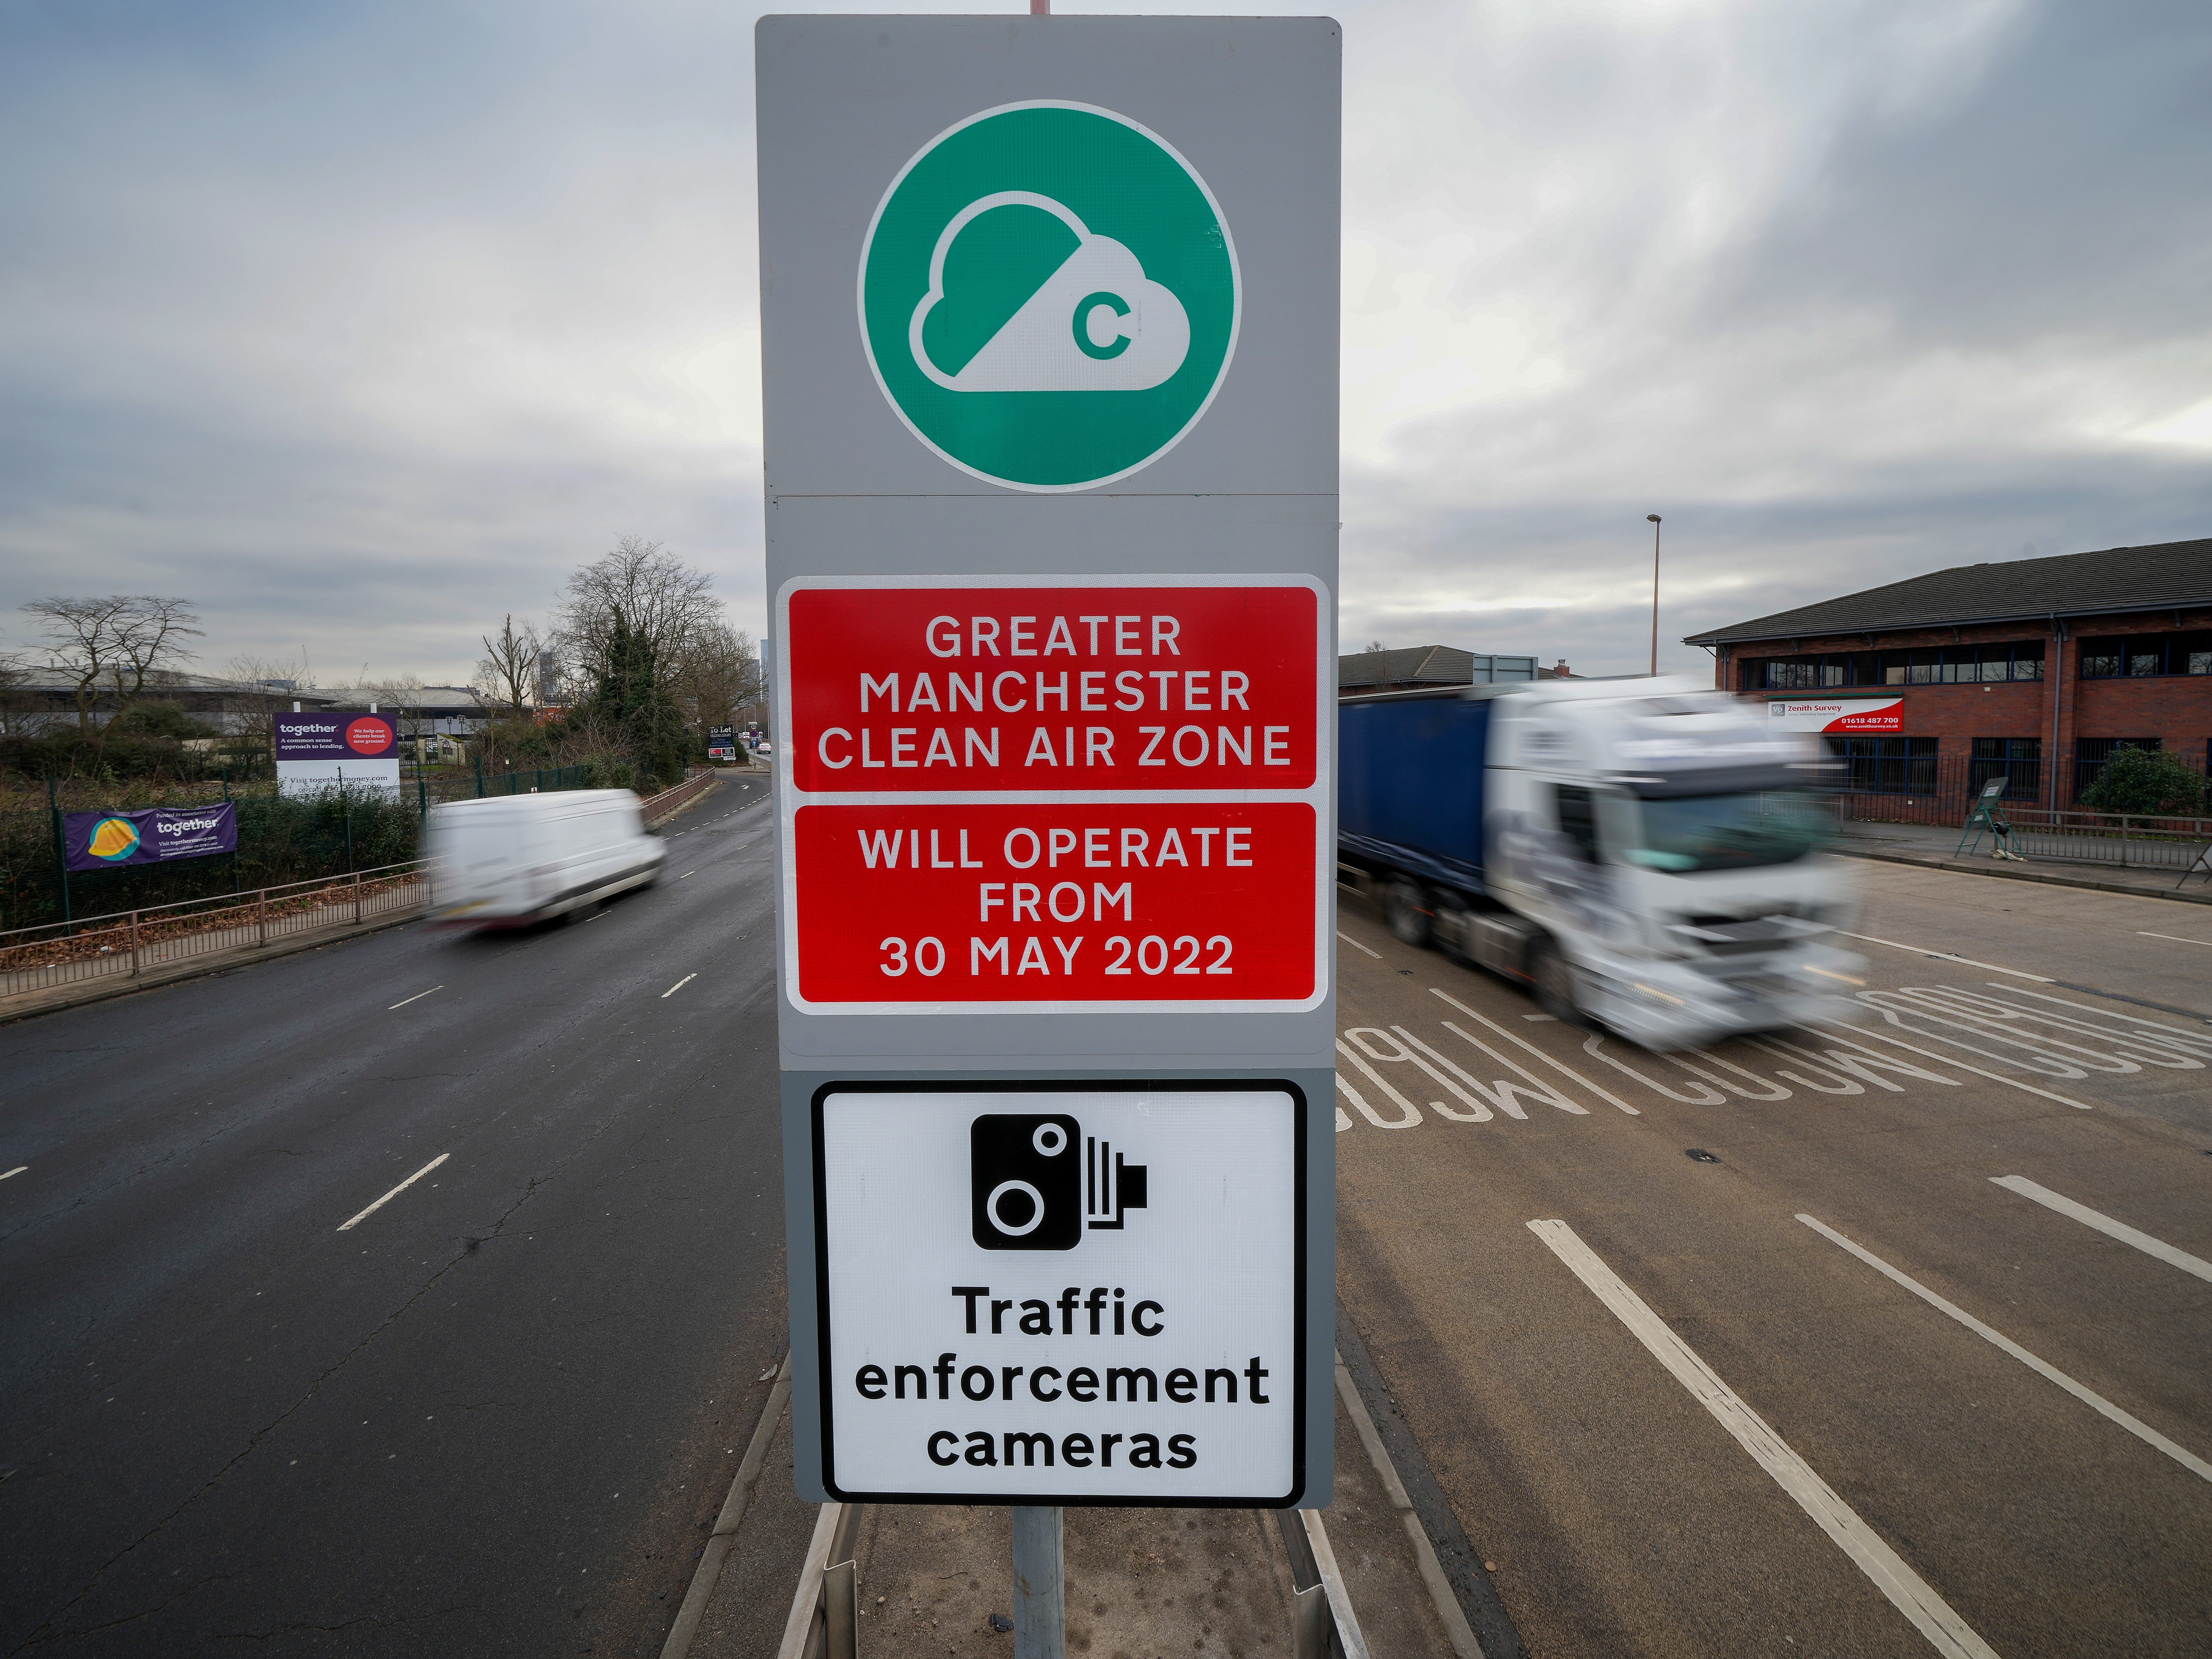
[1055, 796]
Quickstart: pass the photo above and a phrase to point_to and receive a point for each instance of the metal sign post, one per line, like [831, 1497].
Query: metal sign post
[1050, 359]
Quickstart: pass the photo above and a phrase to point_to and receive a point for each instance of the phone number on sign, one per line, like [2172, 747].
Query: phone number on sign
[1056, 903]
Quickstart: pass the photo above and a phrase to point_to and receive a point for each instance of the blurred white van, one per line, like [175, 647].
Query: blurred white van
[509, 860]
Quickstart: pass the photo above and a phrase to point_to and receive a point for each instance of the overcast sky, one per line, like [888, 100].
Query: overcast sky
[362, 325]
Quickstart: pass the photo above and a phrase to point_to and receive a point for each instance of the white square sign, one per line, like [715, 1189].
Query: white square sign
[1061, 1294]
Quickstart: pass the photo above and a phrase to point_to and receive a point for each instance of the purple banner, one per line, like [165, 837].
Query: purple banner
[336, 734]
[101, 840]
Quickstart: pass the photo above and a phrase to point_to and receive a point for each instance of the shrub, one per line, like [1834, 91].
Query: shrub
[2149, 782]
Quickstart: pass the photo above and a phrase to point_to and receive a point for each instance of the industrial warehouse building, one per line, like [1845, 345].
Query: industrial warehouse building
[2038, 670]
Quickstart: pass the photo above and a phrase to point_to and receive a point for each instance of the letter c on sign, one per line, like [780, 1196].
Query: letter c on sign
[822, 748]
[942, 645]
[942, 1434]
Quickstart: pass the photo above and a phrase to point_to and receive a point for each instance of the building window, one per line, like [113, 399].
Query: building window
[1949, 664]
[2091, 755]
[2018, 760]
[1887, 766]
[2134, 655]
[1963, 664]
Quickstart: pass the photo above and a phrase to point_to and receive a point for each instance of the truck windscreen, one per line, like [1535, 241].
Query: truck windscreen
[1723, 832]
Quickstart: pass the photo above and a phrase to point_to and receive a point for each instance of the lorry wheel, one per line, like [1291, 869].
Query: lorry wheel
[1409, 919]
[1552, 982]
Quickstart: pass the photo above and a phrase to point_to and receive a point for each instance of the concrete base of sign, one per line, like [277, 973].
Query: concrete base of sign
[1138, 1581]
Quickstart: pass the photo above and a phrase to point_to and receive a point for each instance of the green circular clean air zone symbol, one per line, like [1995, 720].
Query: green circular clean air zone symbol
[1048, 296]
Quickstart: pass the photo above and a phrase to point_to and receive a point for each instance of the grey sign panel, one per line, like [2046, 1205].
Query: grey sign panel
[1049, 305]
[1251, 104]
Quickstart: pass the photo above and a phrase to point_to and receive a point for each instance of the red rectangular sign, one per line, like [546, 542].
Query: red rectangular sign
[1053, 688]
[1049, 905]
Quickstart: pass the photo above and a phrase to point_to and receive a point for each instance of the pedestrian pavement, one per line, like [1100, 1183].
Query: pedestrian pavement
[1936, 846]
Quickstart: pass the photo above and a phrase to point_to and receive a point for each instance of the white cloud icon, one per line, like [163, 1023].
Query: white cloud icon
[1098, 324]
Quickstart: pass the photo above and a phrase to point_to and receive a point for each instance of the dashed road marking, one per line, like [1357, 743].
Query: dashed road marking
[2175, 938]
[396, 1191]
[17, 1170]
[679, 986]
[1930, 1614]
[2104, 1225]
[1356, 944]
[2143, 1432]
[417, 997]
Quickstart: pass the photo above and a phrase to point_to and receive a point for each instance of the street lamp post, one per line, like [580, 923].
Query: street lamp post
[1654, 518]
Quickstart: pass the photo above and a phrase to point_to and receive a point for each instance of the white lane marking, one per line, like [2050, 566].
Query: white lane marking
[1566, 1070]
[2104, 1225]
[17, 1170]
[2096, 1401]
[1505, 1092]
[417, 997]
[396, 1191]
[1548, 1017]
[679, 986]
[1412, 1115]
[2175, 938]
[1941, 1059]
[687, 875]
[2192, 1037]
[1412, 1048]
[1948, 956]
[1930, 1614]
[1356, 944]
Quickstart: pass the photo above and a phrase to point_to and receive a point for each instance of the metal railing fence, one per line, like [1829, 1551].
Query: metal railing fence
[657, 807]
[127, 944]
[1927, 789]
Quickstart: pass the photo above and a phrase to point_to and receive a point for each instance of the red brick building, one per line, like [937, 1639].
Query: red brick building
[2037, 669]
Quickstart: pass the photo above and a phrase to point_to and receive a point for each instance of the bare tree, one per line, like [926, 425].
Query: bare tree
[259, 685]
[14, 691]
[507, 674]
[716, 674]
[113, 646]
[399, 696]
[658, 595]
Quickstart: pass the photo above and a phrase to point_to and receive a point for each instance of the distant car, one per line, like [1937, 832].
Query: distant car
[510, 860]
[765, 748]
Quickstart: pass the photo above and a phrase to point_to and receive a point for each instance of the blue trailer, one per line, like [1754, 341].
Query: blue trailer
[1642, 854]
[1410, 769]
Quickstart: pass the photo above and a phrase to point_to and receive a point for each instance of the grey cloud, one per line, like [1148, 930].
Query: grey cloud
[364, 324]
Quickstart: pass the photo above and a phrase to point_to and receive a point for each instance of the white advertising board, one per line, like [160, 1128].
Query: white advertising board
[1069, 1295]
[1836, 715]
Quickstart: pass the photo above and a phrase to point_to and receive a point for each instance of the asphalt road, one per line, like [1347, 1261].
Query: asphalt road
[1590, 1390]
[496, 1415]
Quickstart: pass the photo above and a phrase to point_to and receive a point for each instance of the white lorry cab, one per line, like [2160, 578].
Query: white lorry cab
[1644, 855]
[510, 860]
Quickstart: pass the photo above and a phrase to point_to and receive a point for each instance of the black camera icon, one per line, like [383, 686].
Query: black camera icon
[1036, 1180]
